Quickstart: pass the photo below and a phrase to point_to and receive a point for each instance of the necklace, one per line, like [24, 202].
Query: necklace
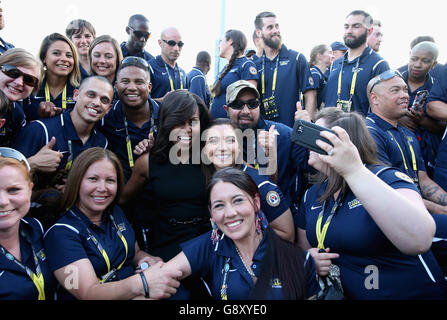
[251, 273]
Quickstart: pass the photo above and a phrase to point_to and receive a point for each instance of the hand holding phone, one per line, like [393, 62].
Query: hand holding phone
[306, 133]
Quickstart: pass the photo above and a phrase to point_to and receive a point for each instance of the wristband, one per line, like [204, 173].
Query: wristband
[145, 285]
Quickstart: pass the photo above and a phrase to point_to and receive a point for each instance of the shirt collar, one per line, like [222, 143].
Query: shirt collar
[382, 124]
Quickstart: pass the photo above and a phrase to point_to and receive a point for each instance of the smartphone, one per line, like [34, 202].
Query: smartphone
[306, 133]
[420, 99]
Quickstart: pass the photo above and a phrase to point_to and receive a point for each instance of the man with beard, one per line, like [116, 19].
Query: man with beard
[243, 109]
[346, 87]
[398, 147]
[138, 31]
[3, 44]
[285, 74]
[166, 75]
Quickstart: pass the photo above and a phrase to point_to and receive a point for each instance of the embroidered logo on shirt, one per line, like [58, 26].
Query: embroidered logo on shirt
[253, 71]
[273, 198]
[41, 255]
[122, 227]
[311, 81]
[403, 176]
[284, 63]
[276, 284]
[354, 204]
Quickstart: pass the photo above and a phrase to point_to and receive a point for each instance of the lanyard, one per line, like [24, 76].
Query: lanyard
[101, 248]
[223, 290]
[275, 75]
[70, 157]
[128, 144]
[321, 232]
[36, 277]
[413, 156]
[354, 79]
[64, 96]
[171, 82]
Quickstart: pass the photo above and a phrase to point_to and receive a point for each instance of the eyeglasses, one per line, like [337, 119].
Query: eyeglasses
[387, 75]
[240, 104]
[140, 34]
[172, 43]
[15, 73]
[135, 60]
[14, 154]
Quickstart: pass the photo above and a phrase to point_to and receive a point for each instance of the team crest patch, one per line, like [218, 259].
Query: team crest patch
[41, 255]
[284, 63]
[354, 204]
[253, 70]
[403, 176]
[273, 198]
[311, 81]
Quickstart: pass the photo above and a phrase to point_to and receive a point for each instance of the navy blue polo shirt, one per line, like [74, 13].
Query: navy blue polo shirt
[293, 78]
[31, 105]
[38, 133]
[440, 171]
[113, 127]
[15, 282]
[358, 240]
[291, 158]
[142, 54]
[196, 82]
[5, 46]
[15, 121]
[84, 73]
[69, 240]
[160, 78]
[371, 64]
[320, 81]
[242, 69]
[273, 202]
[391, 140]
[439, 90]
[208, 261]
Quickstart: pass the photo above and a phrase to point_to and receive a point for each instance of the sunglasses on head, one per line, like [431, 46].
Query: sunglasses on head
[240, 104]
[14, 154]
[15, 73]
[135, 60]
[387, 75]
[140, 34]
[172, 43]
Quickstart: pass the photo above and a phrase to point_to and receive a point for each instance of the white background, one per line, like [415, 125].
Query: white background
[303, 24]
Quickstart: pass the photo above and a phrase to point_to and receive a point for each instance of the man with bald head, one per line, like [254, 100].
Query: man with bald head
[166, 75]
[138, 31]
[398, 147]
[428, 130]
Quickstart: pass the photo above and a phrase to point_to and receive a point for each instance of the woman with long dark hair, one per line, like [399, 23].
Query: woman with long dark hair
[239, 67]
[238, 258]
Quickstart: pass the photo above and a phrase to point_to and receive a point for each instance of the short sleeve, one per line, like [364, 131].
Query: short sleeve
[249, 71]
[397, 179]
[63, 246]
[198, 251]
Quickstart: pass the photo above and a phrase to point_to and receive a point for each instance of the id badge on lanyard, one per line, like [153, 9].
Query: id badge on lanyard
[271, 111]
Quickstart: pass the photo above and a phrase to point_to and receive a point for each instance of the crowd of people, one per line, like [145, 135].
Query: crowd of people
[124, 177]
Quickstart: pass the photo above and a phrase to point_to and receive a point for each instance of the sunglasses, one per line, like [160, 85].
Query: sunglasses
[172, 43]
[140, 34]
[387, 75]
[15, 73]
[240, 104]
[14, 154]
[135, 60]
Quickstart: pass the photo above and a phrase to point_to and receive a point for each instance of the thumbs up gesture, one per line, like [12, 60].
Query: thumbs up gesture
[300, 113]
[267, 140]
[46, 160]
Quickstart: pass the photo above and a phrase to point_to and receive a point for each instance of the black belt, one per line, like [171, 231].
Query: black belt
[194, 221]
